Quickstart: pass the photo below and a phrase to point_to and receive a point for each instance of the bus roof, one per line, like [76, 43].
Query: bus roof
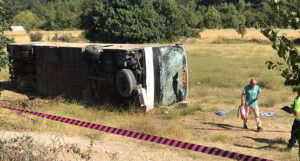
[83, 45]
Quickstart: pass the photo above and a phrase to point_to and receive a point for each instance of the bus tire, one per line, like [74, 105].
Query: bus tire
[94, 51]
[125, 82]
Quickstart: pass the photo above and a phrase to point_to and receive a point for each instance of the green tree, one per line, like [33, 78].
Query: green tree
[11, 8]
[284, 47]
[255, 11]
[3, 39]
[230, 16]
[241, 6]
[14, 7]
[250, 18]
[212, 18]
[188, 9]
[128, 21]
[240, 25]
[3, 56]
[241, 29]
[59, 14]
[27, 19]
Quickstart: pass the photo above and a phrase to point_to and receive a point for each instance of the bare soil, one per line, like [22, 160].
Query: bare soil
[106, 147]
[7, 95]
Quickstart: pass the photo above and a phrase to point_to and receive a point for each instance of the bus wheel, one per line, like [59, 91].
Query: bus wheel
[125, 82]
[94, 51]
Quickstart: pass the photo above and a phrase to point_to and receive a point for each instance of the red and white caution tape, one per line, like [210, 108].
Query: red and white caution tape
[28, 118]
[219, 129]
[146, 137]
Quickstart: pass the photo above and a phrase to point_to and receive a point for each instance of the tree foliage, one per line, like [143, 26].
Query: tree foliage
[212, 18]
[59, 14]
[241, 29]
[12, 8]
[240, 25]
[3, 57]
[284, 47]
[134, 21]
[63, 14]
[27, 19]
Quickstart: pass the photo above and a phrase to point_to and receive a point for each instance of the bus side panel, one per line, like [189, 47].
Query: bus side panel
[60, 71]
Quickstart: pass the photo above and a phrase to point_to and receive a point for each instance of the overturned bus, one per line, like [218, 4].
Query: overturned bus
[153, 75]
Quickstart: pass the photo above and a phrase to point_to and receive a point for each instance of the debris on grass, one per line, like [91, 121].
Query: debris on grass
[222, 113]
[268, 114]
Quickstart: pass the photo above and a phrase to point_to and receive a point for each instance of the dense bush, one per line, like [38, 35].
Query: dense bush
[63, 38]
[134, 21]
[36, 36]
[69, 38]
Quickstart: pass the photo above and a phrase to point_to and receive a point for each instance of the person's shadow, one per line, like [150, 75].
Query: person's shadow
[271, 143]
[220, 125]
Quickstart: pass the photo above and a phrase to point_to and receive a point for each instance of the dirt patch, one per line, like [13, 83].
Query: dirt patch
[12, 96]
[107, 148]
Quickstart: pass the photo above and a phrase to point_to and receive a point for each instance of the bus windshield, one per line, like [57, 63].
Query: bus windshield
[173, 74]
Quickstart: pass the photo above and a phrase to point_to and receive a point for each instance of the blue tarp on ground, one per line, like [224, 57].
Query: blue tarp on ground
[222, 113]
[266, 114]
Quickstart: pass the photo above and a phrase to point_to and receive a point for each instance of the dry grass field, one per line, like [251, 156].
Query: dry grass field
[207, 36]
[217, 74]
[23, 37]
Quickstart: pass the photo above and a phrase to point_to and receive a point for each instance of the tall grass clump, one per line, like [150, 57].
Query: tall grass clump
[62, 38]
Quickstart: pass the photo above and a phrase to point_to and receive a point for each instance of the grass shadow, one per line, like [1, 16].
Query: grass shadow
[224, 40]
[108, 104]
[271, 143]
[7, 85]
